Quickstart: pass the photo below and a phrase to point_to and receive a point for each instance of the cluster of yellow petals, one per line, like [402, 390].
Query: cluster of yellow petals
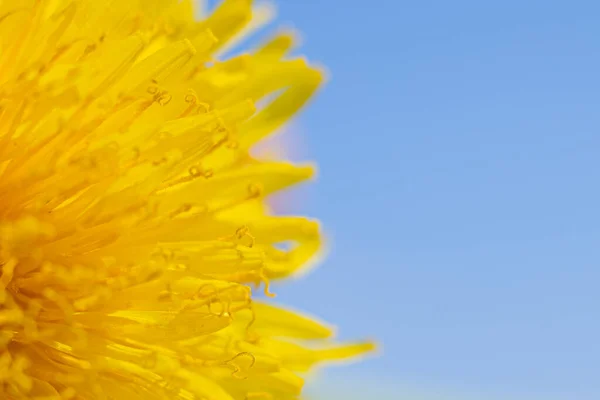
[132, 217]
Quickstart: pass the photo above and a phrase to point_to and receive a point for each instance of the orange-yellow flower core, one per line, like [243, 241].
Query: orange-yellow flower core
[132, 219]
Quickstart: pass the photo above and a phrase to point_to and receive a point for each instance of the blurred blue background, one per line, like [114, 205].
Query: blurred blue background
[458, 144]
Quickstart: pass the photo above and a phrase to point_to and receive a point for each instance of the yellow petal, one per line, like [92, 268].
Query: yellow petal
[272, 321]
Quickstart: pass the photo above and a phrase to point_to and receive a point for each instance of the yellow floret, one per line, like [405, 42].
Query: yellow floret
[132, 217]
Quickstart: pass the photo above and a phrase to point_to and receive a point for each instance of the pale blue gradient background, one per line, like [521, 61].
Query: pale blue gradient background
[459, 148]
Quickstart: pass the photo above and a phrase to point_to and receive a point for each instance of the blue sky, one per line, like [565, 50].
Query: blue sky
[458, 145]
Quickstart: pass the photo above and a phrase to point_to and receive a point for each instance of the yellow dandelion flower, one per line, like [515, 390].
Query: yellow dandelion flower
[132, 217]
